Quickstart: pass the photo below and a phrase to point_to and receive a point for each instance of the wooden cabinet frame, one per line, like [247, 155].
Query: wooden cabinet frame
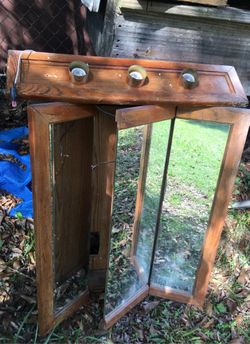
[40, 118]
[239, 121]
[45, 77]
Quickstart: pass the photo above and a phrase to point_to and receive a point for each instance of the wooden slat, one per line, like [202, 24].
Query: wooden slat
[228, 14]
[229, 168]
[171, 294]
[194, 38]
[71, 308]
[208, 2]
[100, 27]
[45, 76]
[40, 156]
[105, 134]
[141, 115]
[114, 316]
[72, 159]
[56, 113]
[216, 114]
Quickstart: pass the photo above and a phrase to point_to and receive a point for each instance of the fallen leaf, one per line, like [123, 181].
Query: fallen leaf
[244, 275]
[2, 214]
[123, 242]
[208, 324]
[16, 265]
[29, 299]
[148, 307]
[17, 250]
[239, 319]
[32, 259]
[209, 309]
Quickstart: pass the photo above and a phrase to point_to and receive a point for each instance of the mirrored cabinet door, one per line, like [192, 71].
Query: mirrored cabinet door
[165, 234]
[124, 286]
[196, 156]
[140, 162]
[148, 197]
[173, 177]
[61, 152]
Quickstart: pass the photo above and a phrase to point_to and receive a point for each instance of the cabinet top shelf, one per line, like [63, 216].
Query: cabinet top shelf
[46, 76]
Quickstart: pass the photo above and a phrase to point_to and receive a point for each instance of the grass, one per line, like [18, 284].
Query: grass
[197, 152]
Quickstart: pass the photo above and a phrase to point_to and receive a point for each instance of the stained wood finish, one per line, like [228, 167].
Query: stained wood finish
[171, 294]
[140, 115]
[46, 76]
[217, 114]
[39, 152]
[72, 159]
[114, 316]
[40, 118]
[103, 167]
[67, 311]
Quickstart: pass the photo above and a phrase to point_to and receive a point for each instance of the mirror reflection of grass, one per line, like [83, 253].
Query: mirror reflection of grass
[196, 156]
[122, 278]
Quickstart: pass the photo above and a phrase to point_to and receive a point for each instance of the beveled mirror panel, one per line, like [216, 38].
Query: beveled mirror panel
[148, 207]
[180, 163]
[70, 170]
[122, 280]
[196, 156]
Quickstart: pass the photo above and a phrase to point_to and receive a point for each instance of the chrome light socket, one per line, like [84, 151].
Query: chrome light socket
[137, 76]
[189, 78]
[79, 71]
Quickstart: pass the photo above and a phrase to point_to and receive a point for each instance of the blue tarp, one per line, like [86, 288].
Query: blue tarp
[13, 178]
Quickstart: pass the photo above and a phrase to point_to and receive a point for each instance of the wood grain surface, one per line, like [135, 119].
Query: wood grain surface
[41, 117]
[46, 76]
[72, 160]
[103, 167]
